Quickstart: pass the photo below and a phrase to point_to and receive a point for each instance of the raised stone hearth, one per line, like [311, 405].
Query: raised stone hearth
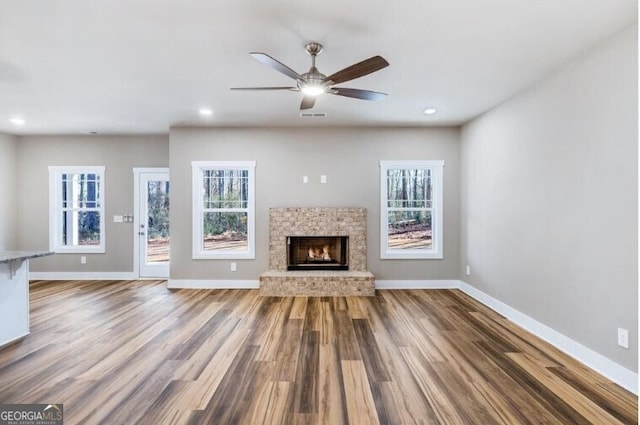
[287, 222]
[317, 283]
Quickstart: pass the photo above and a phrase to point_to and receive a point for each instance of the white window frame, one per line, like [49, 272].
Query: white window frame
[437, 226]
[56, 209]
[198, 251]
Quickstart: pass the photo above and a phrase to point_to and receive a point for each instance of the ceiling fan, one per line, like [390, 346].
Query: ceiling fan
[313, 83]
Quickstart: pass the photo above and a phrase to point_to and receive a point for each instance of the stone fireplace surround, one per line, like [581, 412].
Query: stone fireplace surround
[326, 221]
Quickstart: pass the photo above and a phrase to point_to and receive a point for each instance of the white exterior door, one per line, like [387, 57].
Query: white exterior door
[151, 223]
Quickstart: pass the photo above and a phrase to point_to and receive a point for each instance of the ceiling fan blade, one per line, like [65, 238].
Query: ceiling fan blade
[307, 102]
[359, 69]
[358, 94]
[275, 64]
[264, 88]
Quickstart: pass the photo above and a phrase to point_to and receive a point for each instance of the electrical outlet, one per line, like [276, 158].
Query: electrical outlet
[234, 267]
[623, 338]
[323, 178]
[468, 270]
[305, 179]
[83, 260]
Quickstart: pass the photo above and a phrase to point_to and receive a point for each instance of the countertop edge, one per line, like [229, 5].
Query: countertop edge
[7, 256]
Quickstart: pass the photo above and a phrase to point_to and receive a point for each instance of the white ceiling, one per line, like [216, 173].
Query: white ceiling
[132, 66]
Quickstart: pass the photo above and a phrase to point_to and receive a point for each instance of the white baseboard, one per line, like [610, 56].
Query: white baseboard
[417, 284]
[212, 284]
[82, 276]
[606, 367]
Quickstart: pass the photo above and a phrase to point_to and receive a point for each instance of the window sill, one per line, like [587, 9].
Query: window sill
[223, 256]
[77, 250]
[411, 256]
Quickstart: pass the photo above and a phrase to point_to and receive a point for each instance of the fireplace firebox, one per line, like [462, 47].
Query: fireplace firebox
[317, 253]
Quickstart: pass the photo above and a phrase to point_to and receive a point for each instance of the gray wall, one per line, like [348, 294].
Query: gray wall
[549, 199]
[119, 155]
[348, 156]
[8, 193]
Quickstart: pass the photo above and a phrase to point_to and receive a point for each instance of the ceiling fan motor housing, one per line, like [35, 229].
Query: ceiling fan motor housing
[313, 78]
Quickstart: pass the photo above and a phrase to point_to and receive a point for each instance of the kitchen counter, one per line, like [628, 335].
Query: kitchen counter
[14, 293]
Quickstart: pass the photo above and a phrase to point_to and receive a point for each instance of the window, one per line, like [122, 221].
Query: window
[76, 209]
[223, 209]
[411, 209]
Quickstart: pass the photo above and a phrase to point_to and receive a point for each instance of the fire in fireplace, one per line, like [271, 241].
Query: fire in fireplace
[317, 253]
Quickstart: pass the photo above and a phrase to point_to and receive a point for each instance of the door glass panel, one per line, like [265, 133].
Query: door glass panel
[157, 221]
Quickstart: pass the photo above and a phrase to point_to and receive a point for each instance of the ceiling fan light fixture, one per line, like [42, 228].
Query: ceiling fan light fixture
[313, 90]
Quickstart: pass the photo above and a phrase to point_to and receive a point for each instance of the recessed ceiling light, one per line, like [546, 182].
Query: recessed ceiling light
[430, 111]
[17, 121]
[205, 112]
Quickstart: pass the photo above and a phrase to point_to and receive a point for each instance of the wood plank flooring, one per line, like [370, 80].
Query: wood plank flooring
[134, 352]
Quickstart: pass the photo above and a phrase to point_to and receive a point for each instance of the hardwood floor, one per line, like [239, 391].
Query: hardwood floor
[135, 352]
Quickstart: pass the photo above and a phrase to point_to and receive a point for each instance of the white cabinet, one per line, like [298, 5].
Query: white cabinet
[14, 293]
[14, 300]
